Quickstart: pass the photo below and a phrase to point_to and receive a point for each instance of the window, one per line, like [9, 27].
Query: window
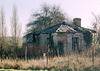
[75, 43]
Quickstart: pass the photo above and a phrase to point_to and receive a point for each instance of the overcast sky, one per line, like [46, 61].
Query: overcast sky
[74, 8]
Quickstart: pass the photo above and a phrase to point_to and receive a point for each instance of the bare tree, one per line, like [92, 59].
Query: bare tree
[14, 22]
[96, 27]
[2, 22]
[15, 26]
[2, 26]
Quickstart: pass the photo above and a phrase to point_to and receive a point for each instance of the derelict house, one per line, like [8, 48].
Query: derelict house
[71, 35]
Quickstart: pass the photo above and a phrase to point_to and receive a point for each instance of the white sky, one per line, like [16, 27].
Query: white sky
[74, 8]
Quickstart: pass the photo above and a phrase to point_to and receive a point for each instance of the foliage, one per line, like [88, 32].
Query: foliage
[87, 35]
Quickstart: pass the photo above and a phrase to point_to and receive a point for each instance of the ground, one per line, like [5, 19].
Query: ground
[65, 63]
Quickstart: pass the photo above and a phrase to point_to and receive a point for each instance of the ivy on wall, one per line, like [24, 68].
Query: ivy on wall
[87, 35]
[53, 49]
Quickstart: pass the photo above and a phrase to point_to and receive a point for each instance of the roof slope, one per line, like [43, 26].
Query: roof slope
[63, 27]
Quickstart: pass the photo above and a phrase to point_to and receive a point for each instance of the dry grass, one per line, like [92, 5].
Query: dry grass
[71, 62]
